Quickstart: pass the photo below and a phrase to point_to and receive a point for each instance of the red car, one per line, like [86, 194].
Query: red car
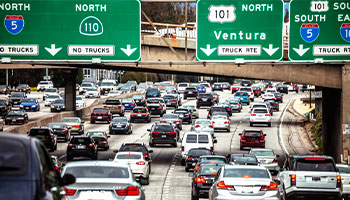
[101, 114]
[252, 138]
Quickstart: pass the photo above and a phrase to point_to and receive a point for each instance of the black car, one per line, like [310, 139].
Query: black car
[242, 159]
[216, 109]
[279, 97]
[5, 107]
[282, 88]
[203, 179]
[190, 92]
[163, 133]
[155, 108]
[23, 88]
[5, 89]
[27, 171]
[275, 106]
[16, 117]
[210, 159]
[205, 100]
[171, 100]
[257, 91]
[139, 100]
[81, 146]
[120, 125]
[140, 114]
[17, 97]
[58, 105]
[46, 136]
[61, 130]
[184, 115]
[172, 119]
[217, 86]
[193, 156]
[246, 83]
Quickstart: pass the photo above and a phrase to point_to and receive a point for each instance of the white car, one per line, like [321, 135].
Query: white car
[221, 122]
[49, 91]
[114, 93]
[267, 158]
[80, 102]
[268, 96]
[260, 116]
[51, 98]
[207, 86]
[138, 164]
[203, 125]
[289, 86]
[85, 86]
[249, 90]
[181, 87]
[107, 86]
[271, 90]
[193, 109]
[43, 85]
[345, 179]
[92, 92]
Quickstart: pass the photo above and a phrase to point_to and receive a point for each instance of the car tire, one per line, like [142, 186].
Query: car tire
[56, 147]
[240, 148]
[185, 97]
[106, 148]
[94, 157]
[194, 197]
[122, 114]
[269, 124]
[187, 169]
[228, 130]
[248, 103]
[174, 144]
[144, 181]
[251, 124]
[183, 162]
[198, 107]
[92, 122]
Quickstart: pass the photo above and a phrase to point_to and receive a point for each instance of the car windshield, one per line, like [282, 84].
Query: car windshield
[51, 90]
[129, 156]
[95, 134]
[92, 89]
[98, 172]
[203, 122]
[322, 165]
[17, 95]
[28, 100]
[79, 99]
[15, 112]
[263, 153]
[209, 169]
[119, 119]
[107, 84]
[21, 86]
[56, 125]
[246, 173]
[70, 120]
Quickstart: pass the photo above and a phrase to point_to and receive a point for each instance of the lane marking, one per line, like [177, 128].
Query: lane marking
[281, 131]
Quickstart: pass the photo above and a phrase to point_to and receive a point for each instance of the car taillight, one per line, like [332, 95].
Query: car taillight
[69, 192]
[267, 114]
[91, 145]
[141, 163]
[172, 133]
[211, 126]
[147, 107]
[119, 107]
[155, 133]
[195, 91]
[163, 121]
[252, 93]
[227, 122]
[197, 99]
[182, 148]
[76, 126]
[133, 114]
[132, 104]
[272, 186]
[293, 179]
[253, 114]
[110, 125]
[275, 160]
[248, 98]
[196, 168]
[228, 108]
[190, 159]
[338, 181]
[142, 100]
[159, 107]
[51, 135]
[222, 185]
[239, 104]
[211, 100]
[256, 92]
[197, 126]
[70, 145]
[129, 191]
[176, 121]
[275, 104]
[211, 149]
[200, 179]
[64, 131]
[187, 114]
[57, 169]
[185, 91]
[145, 154]
[212, 122]
[145, 114]
[127, 125]
[104, 106]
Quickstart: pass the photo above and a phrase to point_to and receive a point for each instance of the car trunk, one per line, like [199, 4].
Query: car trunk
[246, 186]
[319, 179]
[265, 159]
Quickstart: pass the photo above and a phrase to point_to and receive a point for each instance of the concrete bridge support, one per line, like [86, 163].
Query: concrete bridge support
[345, 105]
[70, 76]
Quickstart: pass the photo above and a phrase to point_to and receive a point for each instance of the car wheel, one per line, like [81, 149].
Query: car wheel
[240, 148]
[193, 197]
[198, 107]
[187, 169]
[175, 144]
[269, 124]
[151, 144]
[251, 124]
[56, 147]
[122, 114]
[248, 103]
[185, 97]
[183, 162]
[92, 122]
[94, 157]
[144, 181]
[106, 148]
[228, 130]
[69, 158]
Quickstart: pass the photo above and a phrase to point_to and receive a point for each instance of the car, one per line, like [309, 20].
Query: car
[45, 135]
[80, 102]
[81, 146]
[61, 130]
[262, 105]
[215, 96]
[215, 108]
[139, 100]
[193, 110]
[273, 103]
[152, 93]
[190, 91]
[282, 88]
[5, 107]
[221, 122]
[171, 100]
[243, 96]
[128, 104]
[252, 138]
[257, 90]
[268, 96]
[163, 133]
[193, 156]
[226, 106]
[57, 164]
[84, 86]
[289, 85]
[120, 125]
[114, 93]
[43, 85]
[92, 92]
[51, 98]
[245, 83]
[244, 182]
[235, 104]
[137, 163]
[107, 86]
[203, 179]
[267, 158]
[16, 116]
[242, 159]
[155, 107]
[2, 124]
[170, 90]
[5, 89]
[279, 97]
[137, 147]
[184, 115]
[235, 88]
[100, 138]
[260, 116]
[201, 89]
[115, 106]
[217, 86]
[205, 100]
[210, 160]
[271, 90]
[27, 171]
[203, 125]
[140, 114]
[17, 97]
[249, 90]
[75, 124]
[181, 87]
[49, 91]
[58, 105]
[172, 119]
[207, 87]
[23, 88]
[101, 114]
[226, 85]
[344, 171]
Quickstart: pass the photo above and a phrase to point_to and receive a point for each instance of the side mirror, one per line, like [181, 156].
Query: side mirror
[240, 134]
[264, 134]
[149, 130]
[108, 136]
[82, 122]
[276, 180]
[68, 179]
[115, 151]
[179, 140]
[150, 151]
[215, 141]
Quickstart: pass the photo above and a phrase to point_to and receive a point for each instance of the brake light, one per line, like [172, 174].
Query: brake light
[145, 154]
[139, 111]
[51, 135]
[253, 114]
[57, 169]
[227, 122]
[197, 99]
[200, 179]
[141, 163]
[228, 108]
[275, 104]
[159, 107]
[91, 145]
[133, 114]
[267, 114]
[248, 98]
[176, 121]
[64, 131]
[293, 179]
[252, 93]
[76, 126]
[222, 185]
[174, 100]
[196, 168]
[208, 87]
[163, 121]
[69, 192]
[119, 107]
[211, 149]
[272, 186]
[182, 148]
[129, 191]
[172, 133]
[197, 126]
[145, 114]
[155, 133]
[274, 160]
[319, 159]
[187, 114]
[103, 107]
[132, 104]
[211, 126]
[70, 145]
[212, 122]
[239, 104]
[127, 125]
[147, 107]
[190, 159]
[338, 181]
[211, 100]
[110, 125]
[256, 92]
[195, 91]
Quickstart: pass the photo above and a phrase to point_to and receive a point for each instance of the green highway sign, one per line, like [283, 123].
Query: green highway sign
[239, 30]
[319, 30]
[66, 30]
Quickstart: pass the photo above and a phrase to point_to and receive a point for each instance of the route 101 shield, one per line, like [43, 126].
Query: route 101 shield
[14, 24]
[309, 32]
[345, 32]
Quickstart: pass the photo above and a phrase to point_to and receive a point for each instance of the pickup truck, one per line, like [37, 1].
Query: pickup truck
[309, 177]
[115, 106]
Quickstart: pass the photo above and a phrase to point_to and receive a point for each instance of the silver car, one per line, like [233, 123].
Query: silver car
[102, 180]
[267, 158]
[243, 182]
[203, 125]
[345, 179]
[193, 109]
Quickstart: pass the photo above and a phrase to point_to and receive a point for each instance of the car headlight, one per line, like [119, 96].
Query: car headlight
[21, 106]
[63, 106]
[52, 106]
[34, 106]
[21, 118]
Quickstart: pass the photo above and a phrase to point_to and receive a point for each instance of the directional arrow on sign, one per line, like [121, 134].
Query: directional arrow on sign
[270, 50]
[301, 51]
[53, 49]
[128, 51]
[208, 50]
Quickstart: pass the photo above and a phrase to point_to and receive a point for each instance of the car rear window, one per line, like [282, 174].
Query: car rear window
[95, 134]
[170, 116]
[139, 110]
[203, 122]
[205, 96]
[163, 128]
[191, 138]
[212, 160]
[263, 153]
[198, 152]
[246, 89]
[252, 133]
[80, 140]
[260, 111]
[133, 147]
[243, 159]
[169, 97]
[100, 110]
[241, 94]
[119, 119]
[203, 139]
[60, 126]
[35, 132]
[219, 109]
[70, 120]
[112, 102]
[246, 173]
[311, 164]
[209, 169]
[98, 172]
[13, 158]
[181, 111]
[259, 106]
[129, 156]
[344, 170]
[183, 85]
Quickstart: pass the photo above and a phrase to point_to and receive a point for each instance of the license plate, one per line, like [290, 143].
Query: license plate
[81, 147]
[168, 103]
[316, 178]
[99, 117]
[205, 99]
[247, 190]
[181, 115]
[126, 105]
[189, 92]
[27, 108]
[119, 126]
[262, 161]
[163, 136]
[139, 115]
[58, 108]
[153, 108]
[13, 120]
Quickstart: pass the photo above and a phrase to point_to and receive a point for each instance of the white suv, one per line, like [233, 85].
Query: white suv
[43, 85]
[181, 87]
[49, 91]
[260, 116]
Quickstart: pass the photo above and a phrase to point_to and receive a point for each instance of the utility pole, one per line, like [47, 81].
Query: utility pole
[7, 77]
[47, 74]
[186, 31]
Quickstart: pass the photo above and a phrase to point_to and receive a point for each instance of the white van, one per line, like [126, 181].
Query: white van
[181, 87]
[196, 140]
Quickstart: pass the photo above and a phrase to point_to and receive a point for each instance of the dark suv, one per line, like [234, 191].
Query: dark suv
[216, 109]
[17, 97]
[140, 114]
[190, 92]
[205, 100]
[81, 146]
[163, 133]
[46, 136]
[4, 107]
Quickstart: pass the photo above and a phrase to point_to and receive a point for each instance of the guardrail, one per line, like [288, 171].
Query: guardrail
[168, 30]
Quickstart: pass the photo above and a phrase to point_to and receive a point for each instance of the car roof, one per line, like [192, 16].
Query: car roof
[244, 167]
[95, 163]
[253, 129]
